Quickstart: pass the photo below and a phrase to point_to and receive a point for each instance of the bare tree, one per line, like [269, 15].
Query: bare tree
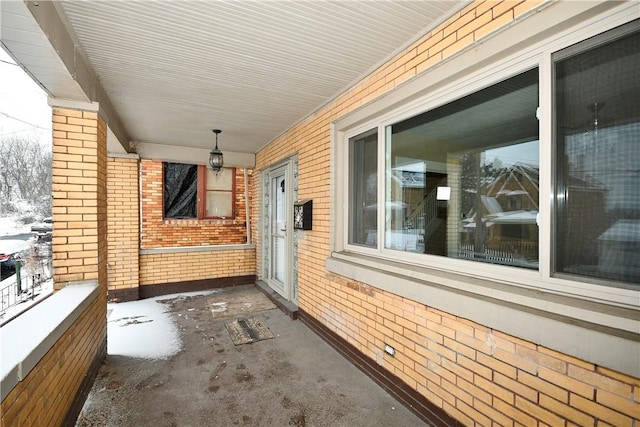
[25, 172]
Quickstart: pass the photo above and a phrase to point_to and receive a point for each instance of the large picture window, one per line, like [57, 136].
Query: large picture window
[462, 179]
[192, 191]
[597, 134]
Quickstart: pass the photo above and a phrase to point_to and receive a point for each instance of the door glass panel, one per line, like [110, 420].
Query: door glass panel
[278, 228]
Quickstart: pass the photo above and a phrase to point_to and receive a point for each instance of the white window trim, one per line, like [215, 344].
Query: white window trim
[556, 302]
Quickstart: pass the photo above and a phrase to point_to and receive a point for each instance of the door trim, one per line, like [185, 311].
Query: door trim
[288, 292]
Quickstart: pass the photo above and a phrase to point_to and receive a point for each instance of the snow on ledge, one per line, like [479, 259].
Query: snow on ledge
[26, 339]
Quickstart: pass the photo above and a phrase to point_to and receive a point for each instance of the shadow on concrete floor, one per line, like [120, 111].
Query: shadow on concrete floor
[294, 379]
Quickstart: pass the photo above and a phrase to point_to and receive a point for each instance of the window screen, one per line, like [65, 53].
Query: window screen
[597, 173]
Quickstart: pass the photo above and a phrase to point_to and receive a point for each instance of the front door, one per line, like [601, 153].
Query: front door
[280, 229]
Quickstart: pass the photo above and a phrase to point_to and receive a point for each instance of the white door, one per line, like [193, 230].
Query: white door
[280, 229]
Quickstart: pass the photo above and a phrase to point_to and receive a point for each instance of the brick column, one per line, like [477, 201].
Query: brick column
[79, 197]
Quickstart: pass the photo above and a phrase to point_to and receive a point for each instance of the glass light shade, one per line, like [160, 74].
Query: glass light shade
[215, 159]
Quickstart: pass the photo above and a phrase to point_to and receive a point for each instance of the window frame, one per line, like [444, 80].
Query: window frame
[201, 198]
[538, 55]
[202, 194]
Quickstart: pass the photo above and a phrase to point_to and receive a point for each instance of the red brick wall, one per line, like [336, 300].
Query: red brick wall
[158, 232]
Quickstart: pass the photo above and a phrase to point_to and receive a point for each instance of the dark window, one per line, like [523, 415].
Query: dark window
[192, 191]
[180, 190]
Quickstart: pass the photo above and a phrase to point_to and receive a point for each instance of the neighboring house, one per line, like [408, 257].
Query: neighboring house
[515, 122]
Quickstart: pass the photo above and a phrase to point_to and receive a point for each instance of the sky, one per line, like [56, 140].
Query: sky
[23, 104]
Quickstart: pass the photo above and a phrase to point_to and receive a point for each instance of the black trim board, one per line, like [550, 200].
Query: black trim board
[421, 406]
[149, 291]
[123, 295]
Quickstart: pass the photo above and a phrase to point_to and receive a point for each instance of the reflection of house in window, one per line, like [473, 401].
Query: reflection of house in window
[508, 216]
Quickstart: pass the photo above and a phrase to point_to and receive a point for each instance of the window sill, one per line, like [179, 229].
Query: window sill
[201, 221]
[26, 339]
[560, 322]
[202, 248]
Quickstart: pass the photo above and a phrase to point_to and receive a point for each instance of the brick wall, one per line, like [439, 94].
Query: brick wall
[476, 374]
[79, 198]
[46, 395]
[123, 238]
[158, 232]
[479, 376]
[186, 266]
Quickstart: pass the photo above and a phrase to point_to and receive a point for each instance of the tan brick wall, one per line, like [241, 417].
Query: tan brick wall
[158, 232]
[177, 267]
[123, 225]
[476, 374]
[44, 397]
[479, 376]
[79, 196]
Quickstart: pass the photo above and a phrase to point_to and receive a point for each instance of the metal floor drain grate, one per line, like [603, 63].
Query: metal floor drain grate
[247, 331]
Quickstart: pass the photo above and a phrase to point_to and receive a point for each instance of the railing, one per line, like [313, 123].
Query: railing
[31, 272]
[426, 211]
[509, 252]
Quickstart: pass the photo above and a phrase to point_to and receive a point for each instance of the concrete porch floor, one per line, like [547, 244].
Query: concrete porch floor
[294, 379]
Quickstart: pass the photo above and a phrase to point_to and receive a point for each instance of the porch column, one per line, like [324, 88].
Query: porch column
[79, 205]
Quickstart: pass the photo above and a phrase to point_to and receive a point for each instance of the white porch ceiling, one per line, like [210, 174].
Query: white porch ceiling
[174, 70]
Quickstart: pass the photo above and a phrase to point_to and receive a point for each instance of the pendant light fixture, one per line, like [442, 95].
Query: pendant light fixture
[215, 156]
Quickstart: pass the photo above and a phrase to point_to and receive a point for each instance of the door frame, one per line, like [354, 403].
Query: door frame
[287, 291]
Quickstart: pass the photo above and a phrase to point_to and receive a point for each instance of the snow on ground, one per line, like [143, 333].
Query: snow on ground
[144, 328]
[11, 225]
[11, 246]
